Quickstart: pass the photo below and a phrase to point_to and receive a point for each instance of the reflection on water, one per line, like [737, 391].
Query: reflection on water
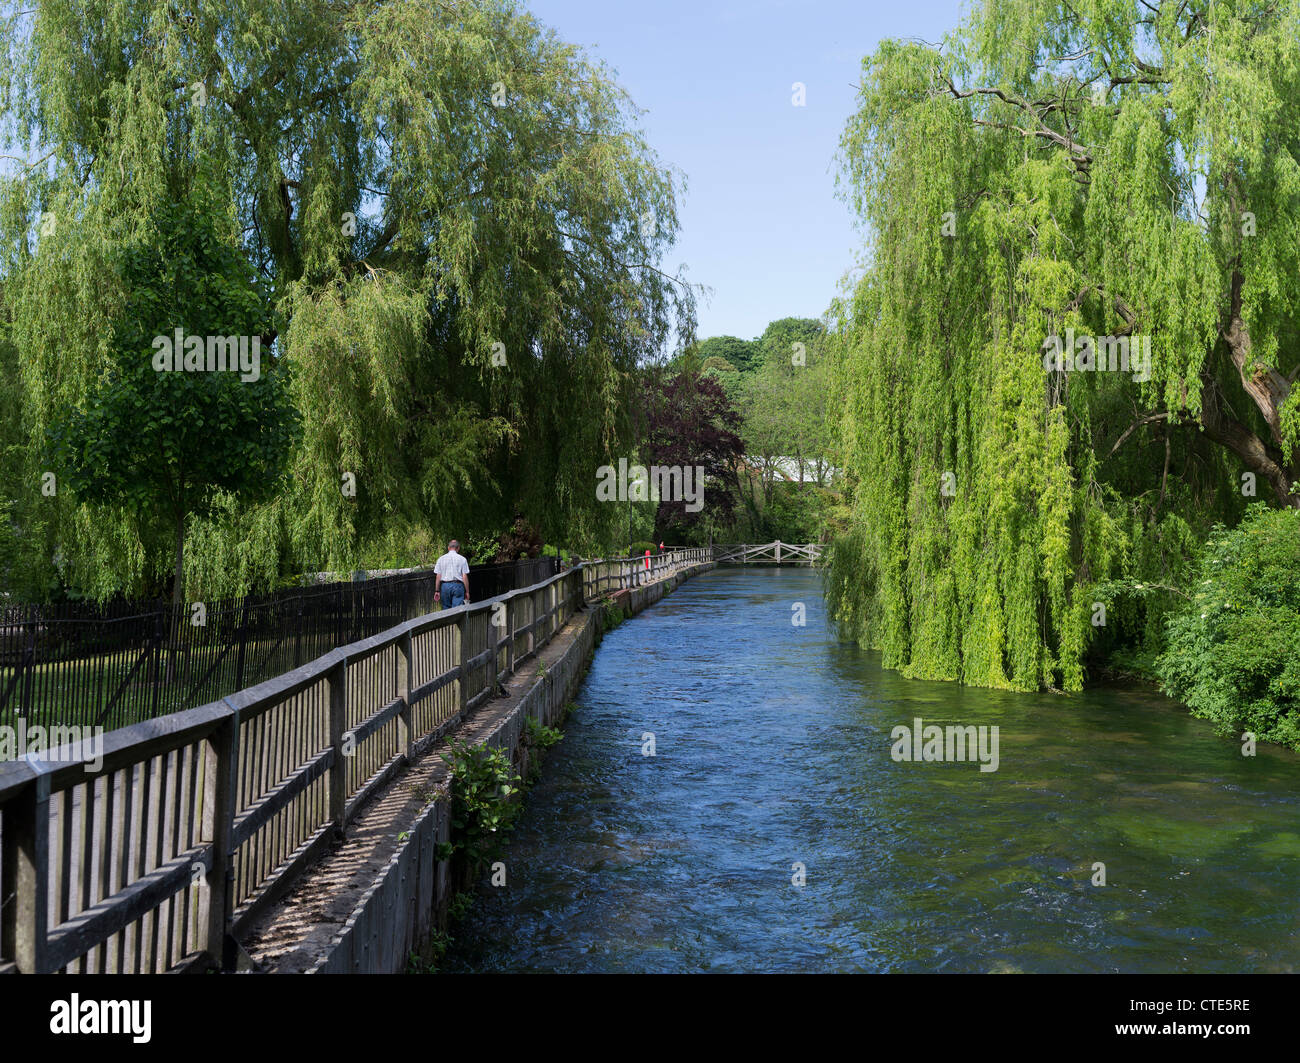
[773, 749]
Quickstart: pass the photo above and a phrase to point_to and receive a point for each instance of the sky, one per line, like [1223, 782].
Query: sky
[760, 221]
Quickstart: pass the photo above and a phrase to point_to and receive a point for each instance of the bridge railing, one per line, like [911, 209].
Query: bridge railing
[775, 552]
[606, 576]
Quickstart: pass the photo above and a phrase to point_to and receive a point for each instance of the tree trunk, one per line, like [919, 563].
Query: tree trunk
[1268, 390]
[1266, 462]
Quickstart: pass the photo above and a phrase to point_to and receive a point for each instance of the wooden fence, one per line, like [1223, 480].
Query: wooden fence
[604, 577]
[157, 858]
[768, 553]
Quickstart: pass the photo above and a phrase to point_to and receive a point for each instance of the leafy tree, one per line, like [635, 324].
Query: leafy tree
[714, 364]
[780, 337]
[1124, 170]
[168, 444]
[460, 222]
[691, 424]
[742, 354]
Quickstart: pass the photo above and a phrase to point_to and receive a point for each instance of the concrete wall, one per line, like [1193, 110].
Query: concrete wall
[408, 900]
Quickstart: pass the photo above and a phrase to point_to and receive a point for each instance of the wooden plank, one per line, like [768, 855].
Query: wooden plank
[123, 747]
[279, 884]
[281, 797]
[373, 723]
[461, 692]
[422, 692]
[405, 735]
[27, 819]
[95, 925]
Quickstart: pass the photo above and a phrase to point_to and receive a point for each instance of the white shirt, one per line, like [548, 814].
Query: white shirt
[451, 567]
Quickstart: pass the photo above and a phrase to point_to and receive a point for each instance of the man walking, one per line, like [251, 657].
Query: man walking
[451, 577]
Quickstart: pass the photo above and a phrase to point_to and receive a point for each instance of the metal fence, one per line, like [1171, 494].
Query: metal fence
[81, 664]
[159, 853]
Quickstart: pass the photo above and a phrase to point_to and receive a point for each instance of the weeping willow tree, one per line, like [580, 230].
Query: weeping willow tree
[454, 211]
[1054, 187]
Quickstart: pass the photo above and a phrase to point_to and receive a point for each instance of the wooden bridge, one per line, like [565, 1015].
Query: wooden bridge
[775, 553]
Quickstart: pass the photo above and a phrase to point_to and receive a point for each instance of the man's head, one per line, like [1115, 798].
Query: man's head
[454, 546]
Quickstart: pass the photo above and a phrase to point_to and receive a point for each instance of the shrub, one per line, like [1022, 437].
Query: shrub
[1234, 652]
[484, 800]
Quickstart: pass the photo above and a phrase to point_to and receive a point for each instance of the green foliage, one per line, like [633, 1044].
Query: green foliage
[480, 549]
[407, 233]
[1234, 650]
[485, 792]
[538, 736]
[782, 398]
[612, 616]
[459, 906]
[1008, 203]
[781, 339]
[428, 959]
[739, 354]
[169, 445]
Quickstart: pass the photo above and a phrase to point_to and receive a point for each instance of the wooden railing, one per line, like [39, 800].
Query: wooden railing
[604, 577]
[195, 822]
[769, 553]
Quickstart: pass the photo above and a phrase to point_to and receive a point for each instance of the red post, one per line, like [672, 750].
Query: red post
[647, 560]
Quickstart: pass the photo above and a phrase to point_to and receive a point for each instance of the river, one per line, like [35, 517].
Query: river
[773, 748]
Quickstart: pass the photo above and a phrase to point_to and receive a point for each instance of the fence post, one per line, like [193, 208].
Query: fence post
[220, 780]
[158, 672]
[27, 672]
[494, 652]
[511, 608]
[243, 644]
[404, 730]
[338, 686]
[26, 836]
[297, 638]
[462, 694]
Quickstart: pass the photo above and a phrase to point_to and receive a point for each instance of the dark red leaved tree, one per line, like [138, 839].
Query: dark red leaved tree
[691, 423]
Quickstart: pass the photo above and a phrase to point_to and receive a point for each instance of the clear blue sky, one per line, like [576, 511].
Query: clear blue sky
[761, 224]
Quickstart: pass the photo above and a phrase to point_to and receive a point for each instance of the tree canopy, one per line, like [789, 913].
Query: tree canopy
[1112, 171]
[453, 214]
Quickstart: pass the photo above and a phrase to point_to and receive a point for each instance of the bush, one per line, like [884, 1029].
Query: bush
[484, 800]
[1234, 653]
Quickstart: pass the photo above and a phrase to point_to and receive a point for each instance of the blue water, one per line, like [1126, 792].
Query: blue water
[772, 747]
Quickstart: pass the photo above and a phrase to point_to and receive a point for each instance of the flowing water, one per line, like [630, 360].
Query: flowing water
[772, 748]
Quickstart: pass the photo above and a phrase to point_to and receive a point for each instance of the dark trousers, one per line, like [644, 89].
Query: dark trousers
[453, 594]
